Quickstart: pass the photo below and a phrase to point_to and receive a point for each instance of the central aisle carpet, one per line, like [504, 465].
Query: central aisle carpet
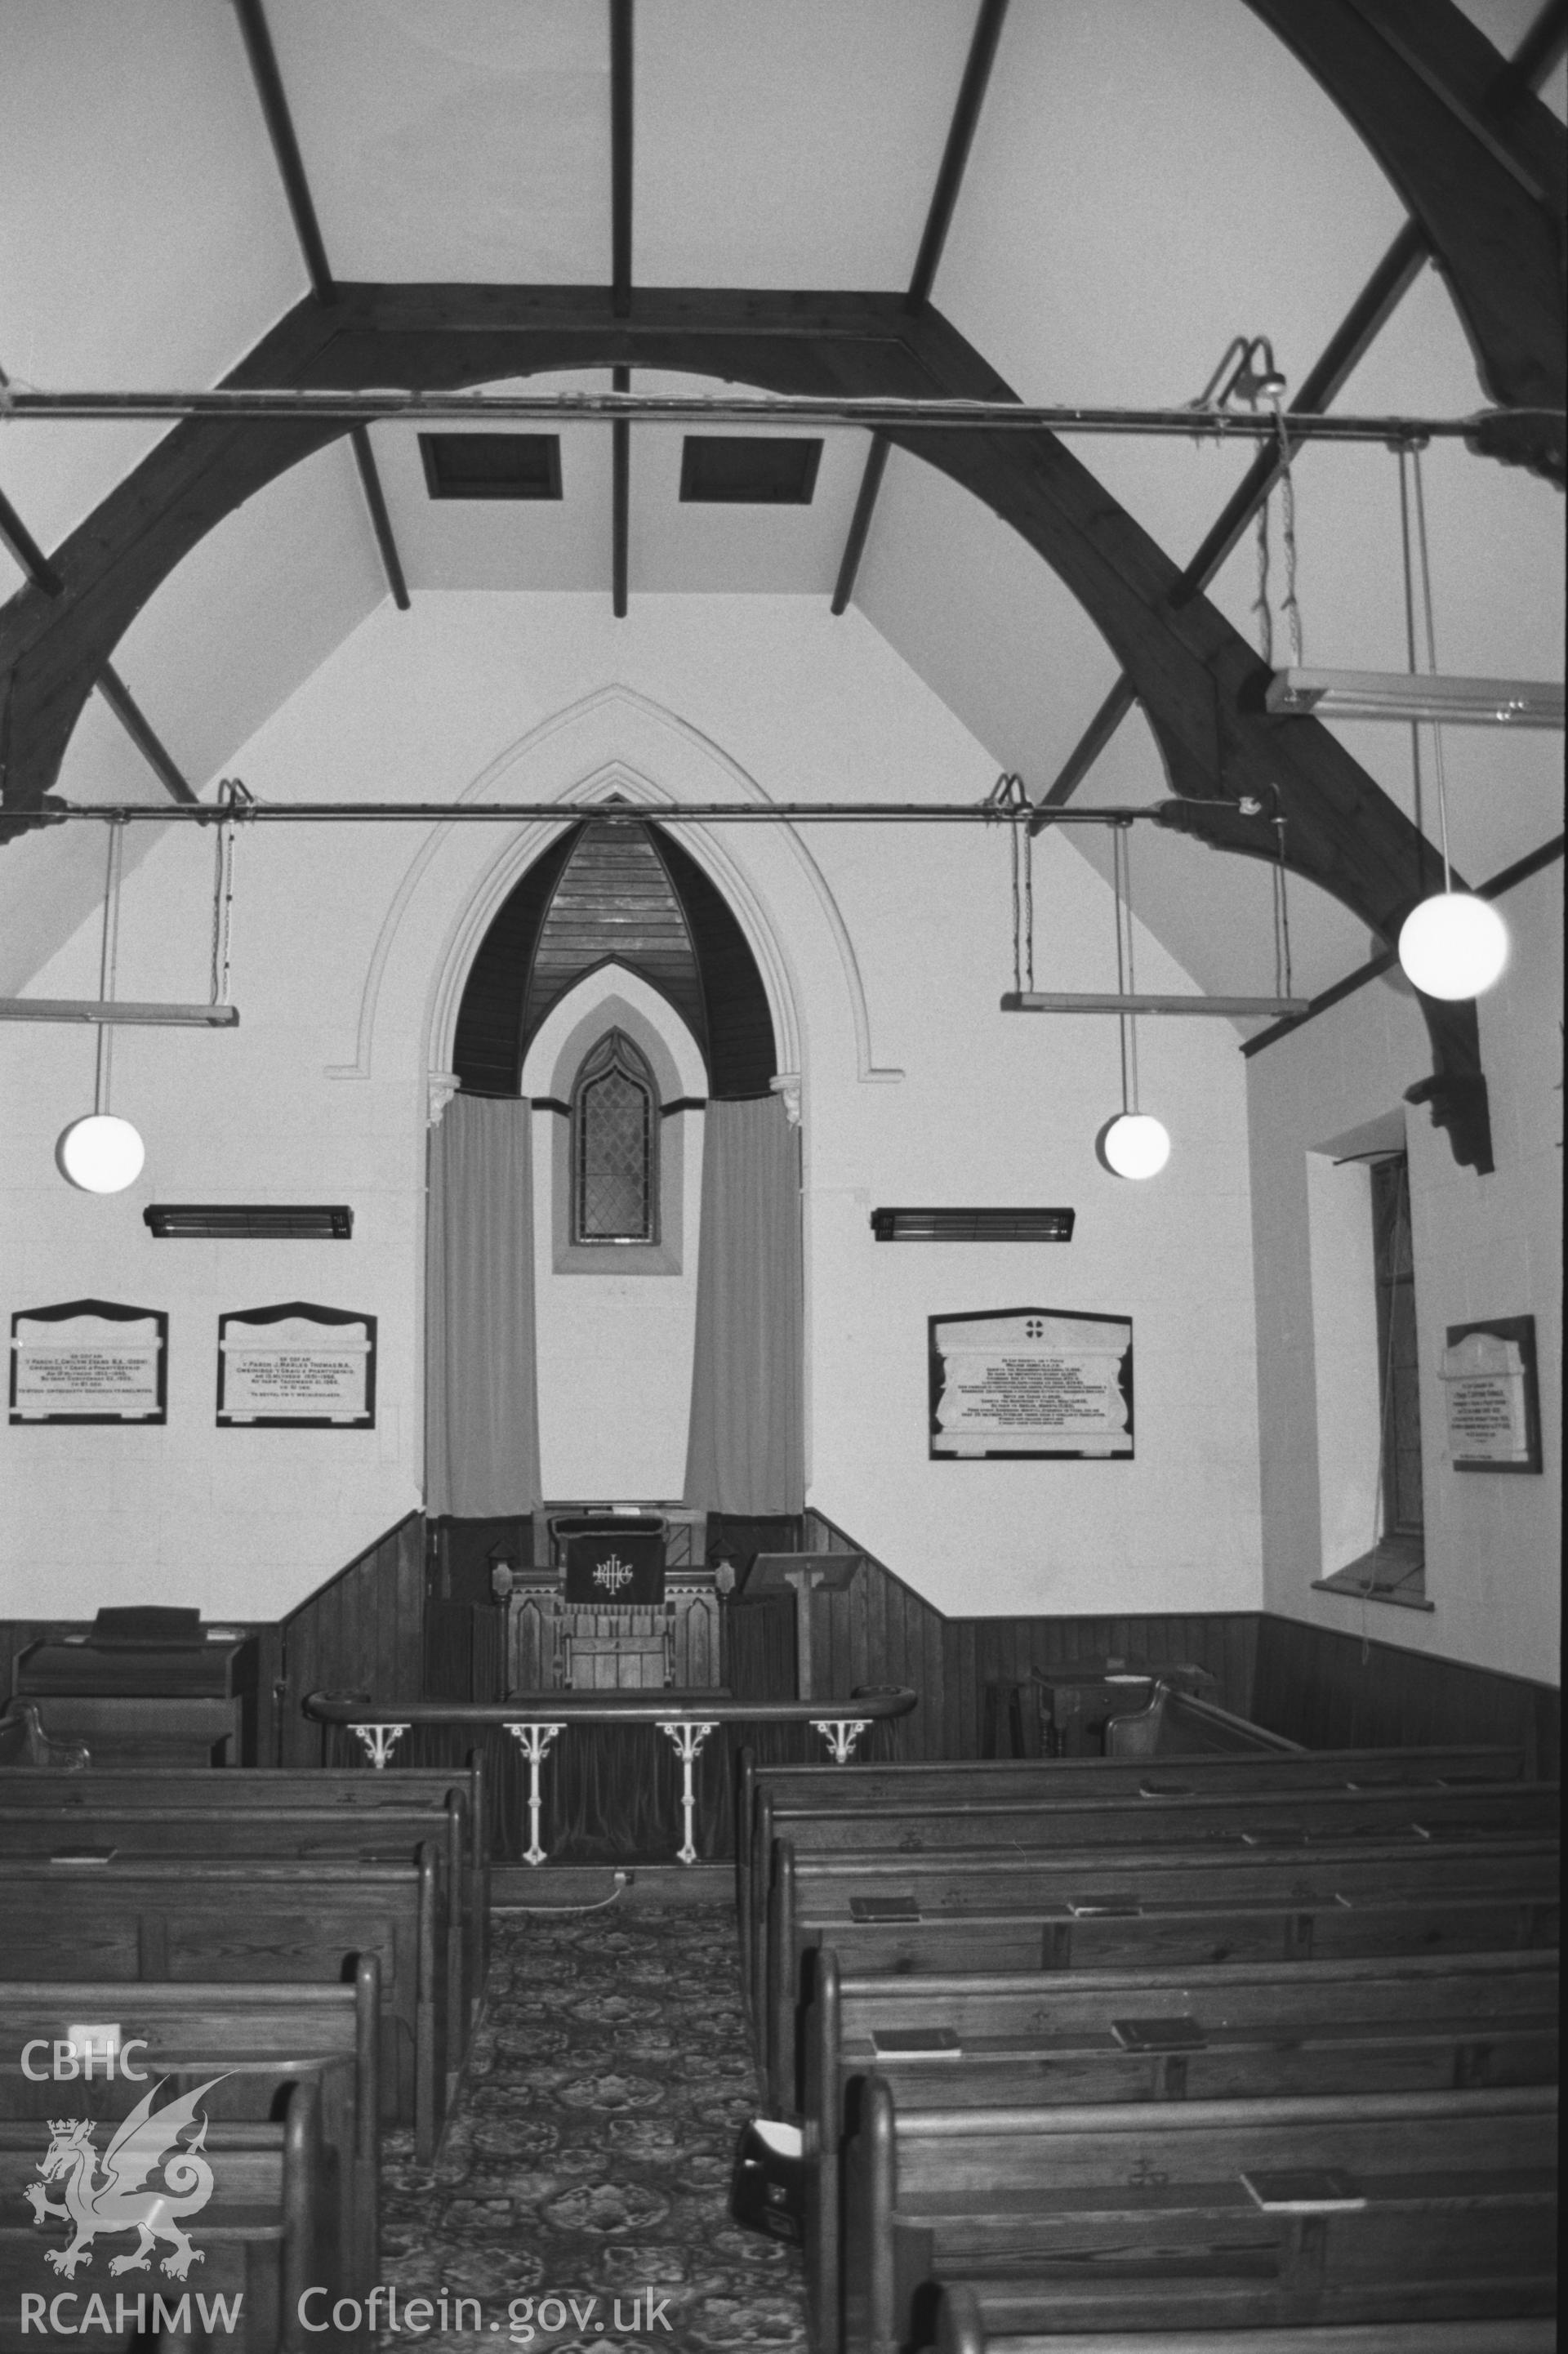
[590, 2154]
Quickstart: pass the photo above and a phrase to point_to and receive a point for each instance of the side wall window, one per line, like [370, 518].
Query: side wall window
[615, 1146]
[1398, 1360]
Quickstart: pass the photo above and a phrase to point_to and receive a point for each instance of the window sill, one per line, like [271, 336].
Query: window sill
[1390, 1573]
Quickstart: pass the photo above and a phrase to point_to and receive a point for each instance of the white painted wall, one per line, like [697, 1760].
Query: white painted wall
[884, 955]
[1483, 1246]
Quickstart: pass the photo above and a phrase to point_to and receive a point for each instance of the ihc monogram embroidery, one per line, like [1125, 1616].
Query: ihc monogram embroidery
[613, 1574]
[115, 2200]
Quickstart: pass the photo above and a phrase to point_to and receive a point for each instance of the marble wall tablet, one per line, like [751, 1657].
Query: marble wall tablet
[90, 1361]
[296, 1367]
[1029, 1381]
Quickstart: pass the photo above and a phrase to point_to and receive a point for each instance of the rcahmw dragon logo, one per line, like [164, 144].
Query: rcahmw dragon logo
[116, 2201]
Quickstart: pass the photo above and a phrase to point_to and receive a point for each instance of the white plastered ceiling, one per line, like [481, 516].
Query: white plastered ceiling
[1147, 182]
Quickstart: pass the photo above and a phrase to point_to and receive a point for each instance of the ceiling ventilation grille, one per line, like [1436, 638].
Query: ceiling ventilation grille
[492, 465]
[751, 470]
[249, 1222]
[973, 1225]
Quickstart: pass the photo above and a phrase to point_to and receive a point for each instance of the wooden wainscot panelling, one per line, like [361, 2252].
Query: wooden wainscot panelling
[1330, 1691]
[877, 1630]
[361, 1631]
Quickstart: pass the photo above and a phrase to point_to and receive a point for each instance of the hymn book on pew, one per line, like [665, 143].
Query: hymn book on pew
[1305, 2190]
[915, 2043]
[1170, 2034]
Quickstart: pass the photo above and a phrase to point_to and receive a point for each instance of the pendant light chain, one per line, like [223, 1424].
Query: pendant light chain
[1260, 604]
[1121, 892]
[1289, 606]
[222, 914]
[108, 962]
[1007, 793]
[1411, 664]
[1437, 766]
[1283, 978]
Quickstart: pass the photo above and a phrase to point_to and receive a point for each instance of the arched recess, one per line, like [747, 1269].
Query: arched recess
[607, 893]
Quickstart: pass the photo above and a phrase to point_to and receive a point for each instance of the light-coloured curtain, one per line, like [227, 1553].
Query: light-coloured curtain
[747, 1448]
[481, 1401]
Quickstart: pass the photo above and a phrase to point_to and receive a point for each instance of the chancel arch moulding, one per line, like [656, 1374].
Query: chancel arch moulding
[612, 745]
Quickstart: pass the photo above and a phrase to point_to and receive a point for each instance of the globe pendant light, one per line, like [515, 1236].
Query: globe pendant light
[101, 1154]
[1134, 1144]
[1451, 945]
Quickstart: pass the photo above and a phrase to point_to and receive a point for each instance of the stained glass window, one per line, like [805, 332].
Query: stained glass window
[615, 1120]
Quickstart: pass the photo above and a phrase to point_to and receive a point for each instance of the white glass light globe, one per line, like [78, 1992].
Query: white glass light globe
[1136, 1145]
[101, 1154]
[1454, 945]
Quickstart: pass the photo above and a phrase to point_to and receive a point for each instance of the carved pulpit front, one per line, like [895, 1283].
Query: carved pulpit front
[621, 1607]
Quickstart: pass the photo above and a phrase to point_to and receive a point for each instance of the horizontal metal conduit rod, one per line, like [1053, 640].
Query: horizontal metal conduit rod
[252, 812]
[871, 412]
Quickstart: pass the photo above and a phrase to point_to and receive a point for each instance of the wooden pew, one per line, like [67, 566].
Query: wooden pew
[1422, 2024]
[1140, 2216]
[1174, 1723]
[859, 1788]
[1000, 2317]
[1090, 1820]
[265, 2235]
[259, 1921]
[234, 1789]
[257, 2039]
[1147, 1907]
[207, 1833]
[24, 1742]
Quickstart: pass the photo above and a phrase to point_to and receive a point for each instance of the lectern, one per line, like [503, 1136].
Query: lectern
[803, 1572]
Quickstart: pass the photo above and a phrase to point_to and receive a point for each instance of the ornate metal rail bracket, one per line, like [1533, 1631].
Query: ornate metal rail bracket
[534, 1739]
[688, 1739]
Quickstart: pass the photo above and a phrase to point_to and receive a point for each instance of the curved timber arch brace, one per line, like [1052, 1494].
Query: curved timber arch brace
[1479, 161]
[1197, 678]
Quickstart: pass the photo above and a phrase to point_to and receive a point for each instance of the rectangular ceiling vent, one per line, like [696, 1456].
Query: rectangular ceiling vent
[748, 470]
[973, 1225]
[249, 1222]
[492, 465]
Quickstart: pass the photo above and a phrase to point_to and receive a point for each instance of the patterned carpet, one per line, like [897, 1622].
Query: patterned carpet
[589, 2161]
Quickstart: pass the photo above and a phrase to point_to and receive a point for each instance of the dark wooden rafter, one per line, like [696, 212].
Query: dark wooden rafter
[1199, 681]
[274, 103]
[621, 117]
[983, 45]
[42, 575]
[1363, 323]
[1388, 282]
[142, 734]
[1479, 162]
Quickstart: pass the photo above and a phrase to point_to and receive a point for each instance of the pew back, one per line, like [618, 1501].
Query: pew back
[257, 1920]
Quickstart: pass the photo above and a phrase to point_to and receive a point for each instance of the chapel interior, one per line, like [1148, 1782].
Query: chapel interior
[780, 1184]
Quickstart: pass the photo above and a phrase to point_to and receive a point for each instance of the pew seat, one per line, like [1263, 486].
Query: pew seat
[265, 2235]
[1002, 2318]
[1208, 2213]
[258, 2039]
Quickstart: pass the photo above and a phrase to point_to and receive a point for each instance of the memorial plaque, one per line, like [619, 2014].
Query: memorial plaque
[1023, 1381]
[90, 1361]
[1493, 1409]
[296, 1367]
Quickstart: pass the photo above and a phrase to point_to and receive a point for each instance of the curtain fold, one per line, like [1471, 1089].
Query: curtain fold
[747, 1451]
[482, 1405]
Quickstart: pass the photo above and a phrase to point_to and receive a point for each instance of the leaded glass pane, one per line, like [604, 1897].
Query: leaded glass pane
[613, 1120]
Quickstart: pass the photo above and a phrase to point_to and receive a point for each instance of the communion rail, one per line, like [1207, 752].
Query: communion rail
[536, 1719]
